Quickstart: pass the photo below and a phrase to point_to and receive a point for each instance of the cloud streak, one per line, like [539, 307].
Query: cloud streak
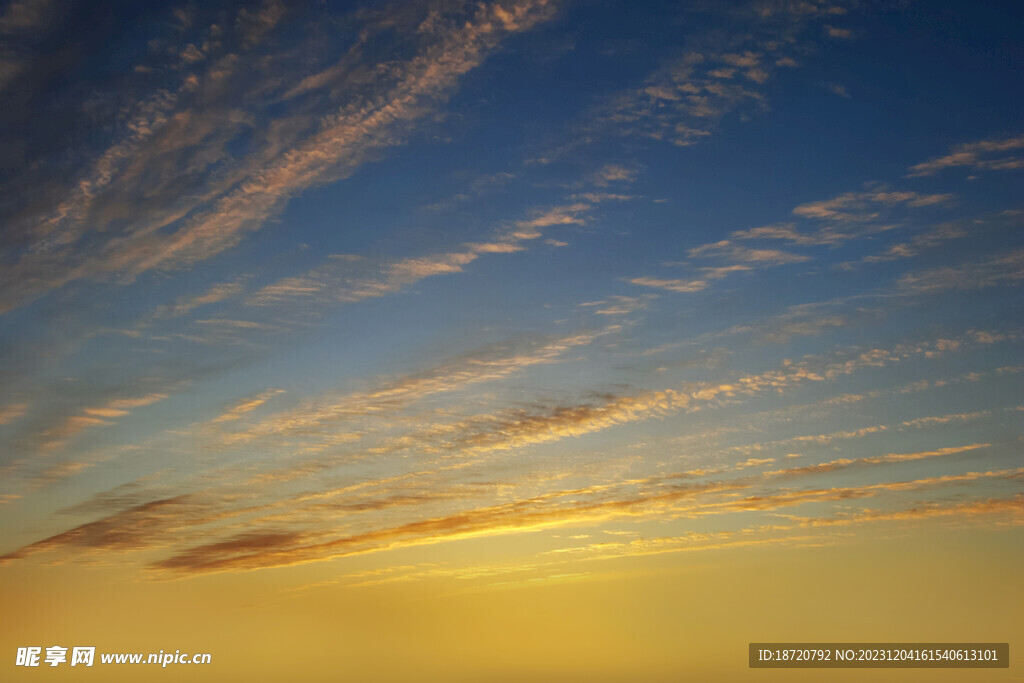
[316, 417]
[346, 279]
[996, 270]
[714, 363]
[215, 218]
[995, 154]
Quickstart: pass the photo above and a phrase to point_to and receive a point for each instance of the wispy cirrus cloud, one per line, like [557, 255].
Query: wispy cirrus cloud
[1011, 508]
[809, 439]
[994, 154]
[731, 252]
[944, 419]
[685, 99]
[614, 173]
[513, 429]
[780, 231]
[158, 523]
[619, 305]
[889, 458]
[236, 206]
[568, 508]
[852, 215]
[800, 321]
[857, 207]
[94, 416]
[918, 243]
[290, 156]
[999, 269]
[11, 412]
[707, 276]
[972, 512]
[218, 292]
[349, 279]
[671, 285]
[316, 416]
[547, 511]
[41, 435]
[131, 529]
[835, 221]
[838, 32]
[247, 405]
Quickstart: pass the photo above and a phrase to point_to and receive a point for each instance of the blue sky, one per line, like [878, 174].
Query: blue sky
[288, 283]
[311, 200]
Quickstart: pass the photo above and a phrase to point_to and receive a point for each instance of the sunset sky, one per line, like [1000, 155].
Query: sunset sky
[553, 340]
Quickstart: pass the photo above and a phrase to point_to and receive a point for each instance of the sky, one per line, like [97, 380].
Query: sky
[550, 339]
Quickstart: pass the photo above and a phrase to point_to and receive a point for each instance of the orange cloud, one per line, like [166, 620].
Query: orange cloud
[11, 412]
[980, 156]
[137, 183]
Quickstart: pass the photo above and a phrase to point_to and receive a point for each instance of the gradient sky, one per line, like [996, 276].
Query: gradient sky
[556, 339]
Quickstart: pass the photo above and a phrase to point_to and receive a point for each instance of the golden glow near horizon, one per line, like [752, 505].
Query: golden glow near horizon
[527, 339]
